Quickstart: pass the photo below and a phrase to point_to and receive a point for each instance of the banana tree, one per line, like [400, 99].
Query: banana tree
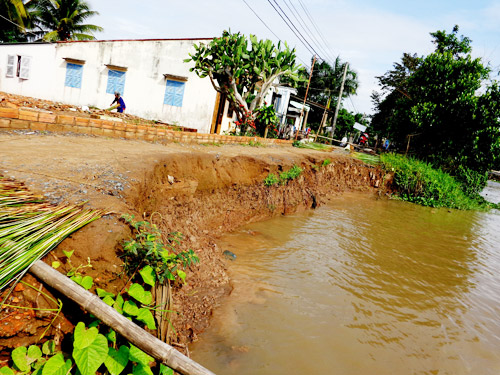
[243, 71]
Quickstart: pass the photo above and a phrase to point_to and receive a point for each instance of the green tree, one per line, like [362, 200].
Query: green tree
[15, 20]
[243, 71]
[325, 85]
[326, 80]
[64, 20]
[436, 99]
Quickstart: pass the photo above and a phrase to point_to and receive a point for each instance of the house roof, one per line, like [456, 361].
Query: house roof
[109, 40]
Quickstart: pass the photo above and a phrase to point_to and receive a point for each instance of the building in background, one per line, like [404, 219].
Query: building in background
[150, 75]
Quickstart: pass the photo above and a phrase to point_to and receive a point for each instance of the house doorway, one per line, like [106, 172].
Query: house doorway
[218, 113]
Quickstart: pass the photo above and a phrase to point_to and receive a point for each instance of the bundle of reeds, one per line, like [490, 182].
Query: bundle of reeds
[31, 227]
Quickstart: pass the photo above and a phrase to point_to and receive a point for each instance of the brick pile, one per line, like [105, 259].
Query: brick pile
[36, 119]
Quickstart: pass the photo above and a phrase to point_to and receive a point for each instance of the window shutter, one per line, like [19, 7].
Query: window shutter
[174, 93]
[11, 62]
[74, 75]
[179, 94]
[116, 82]
[24, 72]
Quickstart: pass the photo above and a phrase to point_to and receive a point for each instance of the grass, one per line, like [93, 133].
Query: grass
[368, 159]
[30, 228]
[326, 162]
[254, 144]
[418, 182]
[312, 146]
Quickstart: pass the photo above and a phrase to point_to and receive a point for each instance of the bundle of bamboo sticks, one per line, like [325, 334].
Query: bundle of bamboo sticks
[31, 227]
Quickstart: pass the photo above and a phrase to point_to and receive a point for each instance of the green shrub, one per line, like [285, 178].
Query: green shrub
[291, 174]
[418, 182]
[326, 162]
[271, 180]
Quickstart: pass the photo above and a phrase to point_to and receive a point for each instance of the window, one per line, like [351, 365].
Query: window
[116, 81]
[174, 93]
[74, 75]
[22, 69]
[11, 61]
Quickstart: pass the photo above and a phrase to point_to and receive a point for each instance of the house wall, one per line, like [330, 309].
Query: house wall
[146, 61]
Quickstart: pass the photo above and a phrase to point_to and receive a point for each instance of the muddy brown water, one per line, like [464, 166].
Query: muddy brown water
[361, 286]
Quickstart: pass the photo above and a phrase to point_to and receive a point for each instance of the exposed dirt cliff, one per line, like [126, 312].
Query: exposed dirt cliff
[201, 191]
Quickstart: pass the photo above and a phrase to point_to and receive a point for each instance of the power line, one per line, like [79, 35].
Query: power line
[306, 28]
[21, 27]
[261, 20]
[314, 25]
[303, 41]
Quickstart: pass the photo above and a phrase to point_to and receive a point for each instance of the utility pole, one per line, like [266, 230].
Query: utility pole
[325, 116]
[305, 97]
[339, 99]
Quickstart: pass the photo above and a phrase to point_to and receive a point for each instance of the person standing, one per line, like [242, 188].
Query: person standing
[119, 100]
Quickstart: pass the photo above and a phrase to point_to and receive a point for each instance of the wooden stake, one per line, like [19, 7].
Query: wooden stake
[109, 316]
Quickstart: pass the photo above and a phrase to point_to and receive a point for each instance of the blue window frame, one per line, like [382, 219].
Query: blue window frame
[74, 74]
[174, 93]
[116, 82]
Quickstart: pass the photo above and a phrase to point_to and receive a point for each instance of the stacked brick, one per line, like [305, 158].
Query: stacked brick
[31, 119]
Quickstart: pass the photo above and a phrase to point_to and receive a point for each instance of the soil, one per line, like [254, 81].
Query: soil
[200, 191]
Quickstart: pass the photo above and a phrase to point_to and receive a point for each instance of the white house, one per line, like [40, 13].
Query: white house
[151, 76]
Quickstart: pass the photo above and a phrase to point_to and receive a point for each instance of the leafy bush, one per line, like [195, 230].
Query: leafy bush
[326, 162]
[148, 249]
[271, 180]
[284, 177]
[291, 174]
[418, 182]
[473, 182]
[266, 118]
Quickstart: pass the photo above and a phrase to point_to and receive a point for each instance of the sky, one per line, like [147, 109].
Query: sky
[370, 35]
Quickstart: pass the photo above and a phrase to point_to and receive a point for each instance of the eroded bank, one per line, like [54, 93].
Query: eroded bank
[201, 191]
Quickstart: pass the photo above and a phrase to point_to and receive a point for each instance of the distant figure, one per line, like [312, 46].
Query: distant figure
[363, 140]
[343, 142]
[119, 100]
[386, 145]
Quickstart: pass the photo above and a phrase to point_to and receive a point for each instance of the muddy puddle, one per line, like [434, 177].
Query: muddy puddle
[361, 286]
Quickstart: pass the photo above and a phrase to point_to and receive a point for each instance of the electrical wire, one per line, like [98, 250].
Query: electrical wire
[261, 20]
[306, 29]
[315, 27]
[304, 42]
[21, 27]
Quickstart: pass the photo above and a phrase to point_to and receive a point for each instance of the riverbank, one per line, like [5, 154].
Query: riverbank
[201, 191]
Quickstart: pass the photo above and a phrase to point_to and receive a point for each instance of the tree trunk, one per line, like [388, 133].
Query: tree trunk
[109, 316]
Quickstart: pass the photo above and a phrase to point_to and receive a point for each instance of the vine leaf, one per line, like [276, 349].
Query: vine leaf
[137, 291]
[146, 317]
[148, 275]
[90, 349]
[140, 369]
[117, 360]
[130, 308]
[138, 356]
[6, 371]
[165, 370]
[57, 366]
[20, 359]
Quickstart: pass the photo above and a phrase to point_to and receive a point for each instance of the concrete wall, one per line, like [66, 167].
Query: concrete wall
[146, 61]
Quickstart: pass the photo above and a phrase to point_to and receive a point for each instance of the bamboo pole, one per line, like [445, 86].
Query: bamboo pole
[109, 316]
